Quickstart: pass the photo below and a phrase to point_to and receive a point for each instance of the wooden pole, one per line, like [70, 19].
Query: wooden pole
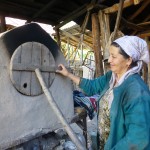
[102, 28]
[58, 37]
[83, 27]
[81, 47]
[67, 34]
[75, 14]
[118, 18]
[96, 45]
[145, 73]
[144, 5]
[58, 112]
[115, 7]
[105, 37]
[3, 24]
[148, 66]
[104, 32]
[132, 25]
[68, 48]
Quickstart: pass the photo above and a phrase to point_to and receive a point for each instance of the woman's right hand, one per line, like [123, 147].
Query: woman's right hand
[62, 70]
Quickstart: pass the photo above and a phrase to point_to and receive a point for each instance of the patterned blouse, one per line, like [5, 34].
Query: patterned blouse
[104, 117]
[105, 104]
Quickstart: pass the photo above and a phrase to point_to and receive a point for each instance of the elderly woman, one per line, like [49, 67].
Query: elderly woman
[124, 104]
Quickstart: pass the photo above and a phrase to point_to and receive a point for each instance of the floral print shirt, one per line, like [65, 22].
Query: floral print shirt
[104, 117]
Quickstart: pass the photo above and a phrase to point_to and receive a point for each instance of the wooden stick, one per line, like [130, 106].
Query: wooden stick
[75, 14]
[144, 5]
[119, 14]
[3, 24]
[58, 112]
[96, 45]
[74, 38]
[31, 68]
[115, 7]
[132, 25]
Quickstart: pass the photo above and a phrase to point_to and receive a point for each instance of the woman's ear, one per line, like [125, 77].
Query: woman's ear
[129, 61]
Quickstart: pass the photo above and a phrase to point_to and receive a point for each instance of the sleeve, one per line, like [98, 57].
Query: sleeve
[95, 86]
[137, 121]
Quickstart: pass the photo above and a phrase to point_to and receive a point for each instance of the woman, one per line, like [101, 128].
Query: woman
[124, 106]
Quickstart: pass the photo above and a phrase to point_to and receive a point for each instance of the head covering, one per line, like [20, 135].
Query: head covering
[135, 47]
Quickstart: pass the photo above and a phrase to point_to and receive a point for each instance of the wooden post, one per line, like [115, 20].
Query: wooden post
[96, 45]
[115, 7]
[79, 40]
[104, 32]
[75, 14]
[119, 14]
[143, 6]
[68, 49]
[105, 37]
[2, 24]
[83, 27]
[81, 47]
[58, 112]
[102, 28]
[58, 37]
[148, 72]
[145, 73]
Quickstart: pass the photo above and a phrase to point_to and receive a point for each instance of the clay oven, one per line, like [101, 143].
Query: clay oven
[25, 112]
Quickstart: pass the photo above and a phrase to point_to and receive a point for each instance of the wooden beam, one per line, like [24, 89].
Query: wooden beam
[75, 14]
[143, 35]
[107, 26]
[29, 67]
[132, 25]
[119, 14]
[13, 6]
[145, 71]
[58, 37]
[87, 33]
[74, 27]
[147, 18]
[105, 36]
[97, 46]
[42, 10]
[148, 42]
[72, 13]
[20, 16]
[144, 5]
[144, 23]
[74, 38]
[86, 19]
[105, 31]
[74, 43]
[2, 24]
[115, 7]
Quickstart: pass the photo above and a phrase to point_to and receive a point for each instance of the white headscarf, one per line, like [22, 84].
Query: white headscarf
[135, 47]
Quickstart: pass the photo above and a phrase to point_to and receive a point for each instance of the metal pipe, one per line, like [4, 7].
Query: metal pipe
[58, 112]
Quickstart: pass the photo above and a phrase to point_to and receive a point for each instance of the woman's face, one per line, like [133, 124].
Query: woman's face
[118, 64]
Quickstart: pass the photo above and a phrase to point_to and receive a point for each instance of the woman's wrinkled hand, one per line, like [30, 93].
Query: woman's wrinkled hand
[62, 70]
